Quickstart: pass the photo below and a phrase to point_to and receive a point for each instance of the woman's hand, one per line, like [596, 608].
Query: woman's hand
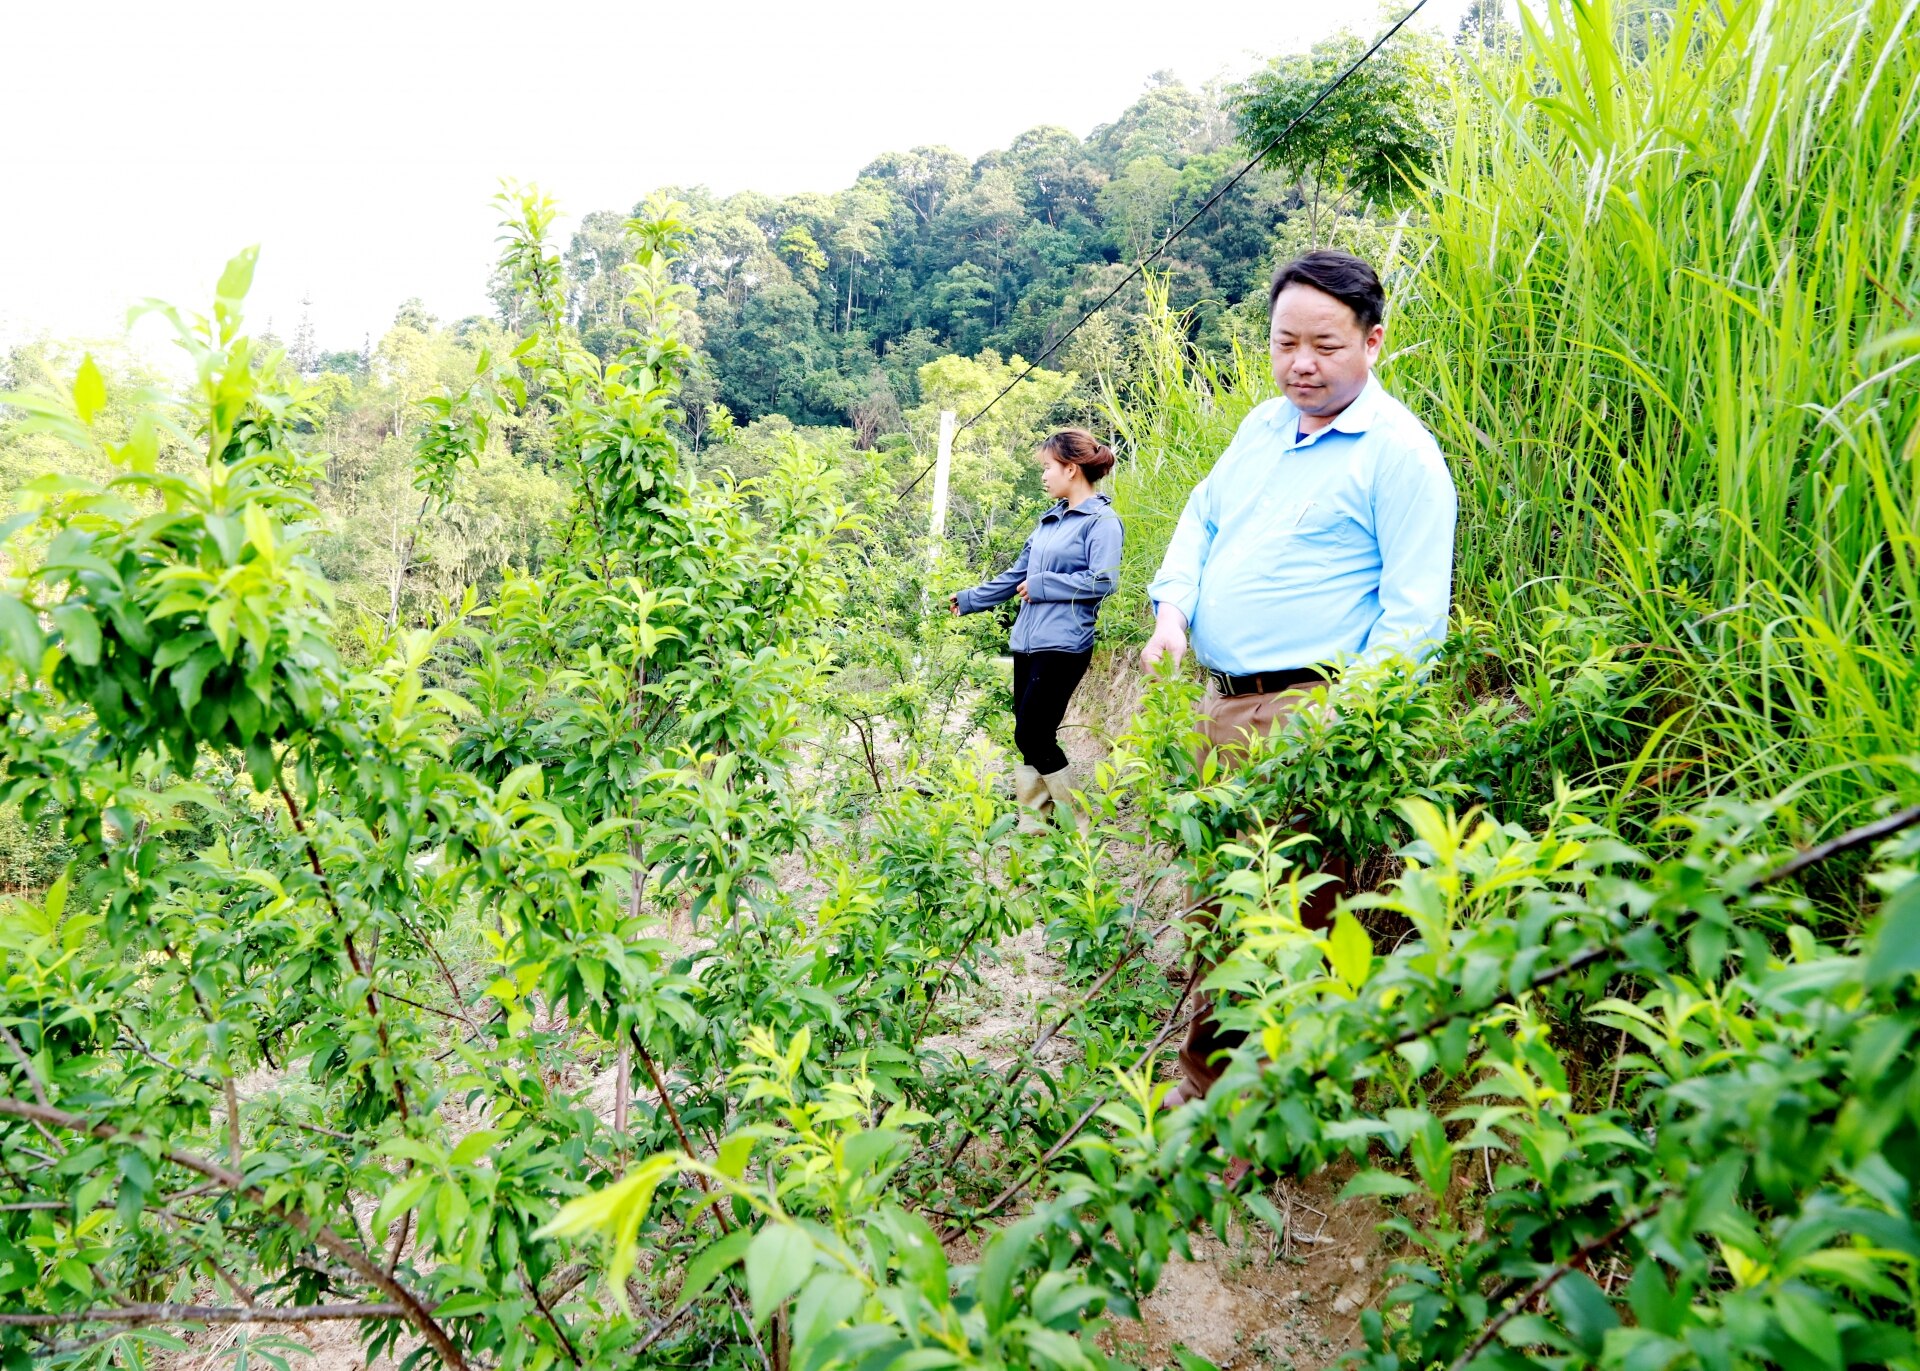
[1021, 590]
[953, 605]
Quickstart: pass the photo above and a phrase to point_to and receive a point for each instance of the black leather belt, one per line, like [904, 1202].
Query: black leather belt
[1266, 682]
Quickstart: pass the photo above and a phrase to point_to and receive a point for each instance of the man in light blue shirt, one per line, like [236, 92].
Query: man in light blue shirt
[1326, 528]
[1323, 533]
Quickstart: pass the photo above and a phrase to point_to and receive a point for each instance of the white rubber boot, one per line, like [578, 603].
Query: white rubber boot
[1035, 798]
[1062, 797]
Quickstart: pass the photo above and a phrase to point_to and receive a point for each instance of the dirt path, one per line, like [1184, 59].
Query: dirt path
[1255, 1299]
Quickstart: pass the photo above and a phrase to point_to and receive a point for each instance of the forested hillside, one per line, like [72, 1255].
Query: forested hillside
[824, 307]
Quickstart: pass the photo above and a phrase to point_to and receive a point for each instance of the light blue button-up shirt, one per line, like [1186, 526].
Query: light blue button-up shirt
[1296, 551]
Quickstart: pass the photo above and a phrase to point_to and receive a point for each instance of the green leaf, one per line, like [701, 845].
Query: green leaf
[829, 1300]
[400, 1199]
[261, 767]
[20, 634]
[474, 1302]
[56, 899]
[237, 279]
[191, 675]
[1349, 951]
[80, 634]
[529, 778]
[13, 523]
[1893, 954]
[89, 390]
[599, 1209]
[709, 1262]
[993, 1286]
[1263, 1208]
[619, 1210]
[733, 1154]
[259, 526]
[1377, 1183]
[1810, 1323]
[474, 1146]
[780, 1257]
[1585, 1310]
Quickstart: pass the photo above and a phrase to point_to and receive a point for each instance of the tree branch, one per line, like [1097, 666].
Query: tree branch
[1173, 1025]
[137, 1314]
[1579, 1258]
[346, 935]
[33, 1080]
[666, 1102]
[1048, 1034]
[1846, 842]
[319, 1233]
[540, 1303]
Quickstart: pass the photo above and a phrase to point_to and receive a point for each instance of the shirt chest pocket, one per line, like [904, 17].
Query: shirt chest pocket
[1326, 527]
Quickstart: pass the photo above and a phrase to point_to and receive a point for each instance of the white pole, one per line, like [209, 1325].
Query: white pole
[942, 467]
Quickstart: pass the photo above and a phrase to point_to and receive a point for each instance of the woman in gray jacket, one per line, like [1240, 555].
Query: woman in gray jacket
[1069, 565]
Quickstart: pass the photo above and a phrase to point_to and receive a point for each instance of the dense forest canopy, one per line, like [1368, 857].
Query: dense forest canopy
[824, 307]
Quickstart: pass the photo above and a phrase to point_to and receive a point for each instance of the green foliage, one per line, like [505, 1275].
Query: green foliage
[994, 473]
[285, 863]
[1731, 1143]
[572, 974]
[1376, 136]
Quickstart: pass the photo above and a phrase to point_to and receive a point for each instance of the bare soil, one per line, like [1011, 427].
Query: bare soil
[1254, 1298]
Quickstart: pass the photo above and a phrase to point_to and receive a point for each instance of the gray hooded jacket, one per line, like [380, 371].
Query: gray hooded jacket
[1070, 564]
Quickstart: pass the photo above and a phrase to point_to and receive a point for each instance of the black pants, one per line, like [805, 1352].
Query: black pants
[1043, 682]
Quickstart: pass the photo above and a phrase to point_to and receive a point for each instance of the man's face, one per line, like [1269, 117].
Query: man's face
[1321, 355]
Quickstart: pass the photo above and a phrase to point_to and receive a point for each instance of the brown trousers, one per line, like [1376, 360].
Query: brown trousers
[1225, 722]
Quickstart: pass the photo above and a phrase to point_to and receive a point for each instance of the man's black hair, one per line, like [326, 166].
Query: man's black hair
[1345, 277]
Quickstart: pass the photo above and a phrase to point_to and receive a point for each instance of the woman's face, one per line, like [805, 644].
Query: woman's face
[1058, 477]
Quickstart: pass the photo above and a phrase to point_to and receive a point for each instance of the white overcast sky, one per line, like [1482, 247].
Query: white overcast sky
[359, 143]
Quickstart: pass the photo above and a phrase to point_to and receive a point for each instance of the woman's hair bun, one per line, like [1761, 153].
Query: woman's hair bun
[1077, 447]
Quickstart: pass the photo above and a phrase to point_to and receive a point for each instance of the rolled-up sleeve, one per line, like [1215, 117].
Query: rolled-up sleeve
[1097, 579]
[1414, 512]
[1178, 581]
[1000, 589]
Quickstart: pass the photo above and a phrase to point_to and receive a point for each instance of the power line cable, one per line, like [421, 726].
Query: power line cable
[1167, 242]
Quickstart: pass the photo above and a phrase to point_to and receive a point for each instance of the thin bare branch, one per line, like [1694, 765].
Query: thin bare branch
[666, 1102]
[1175, 1024]
[664, 1326]
[1580, 1257]
[132, 1045]
[1048, 1034]
[33, 1081]
[1845, 842]
[138, 1314]
[360, 968]
[540, 1303]
[303, 1223]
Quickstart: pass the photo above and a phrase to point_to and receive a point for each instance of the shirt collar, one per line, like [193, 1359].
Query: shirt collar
[1356, 418]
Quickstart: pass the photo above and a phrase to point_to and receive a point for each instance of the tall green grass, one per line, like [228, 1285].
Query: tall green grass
[1657, 304]
[1172, 415]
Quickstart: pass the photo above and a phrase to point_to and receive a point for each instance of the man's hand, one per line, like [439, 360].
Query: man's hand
[1021, 590]
[953, 604]
[1169, 636]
